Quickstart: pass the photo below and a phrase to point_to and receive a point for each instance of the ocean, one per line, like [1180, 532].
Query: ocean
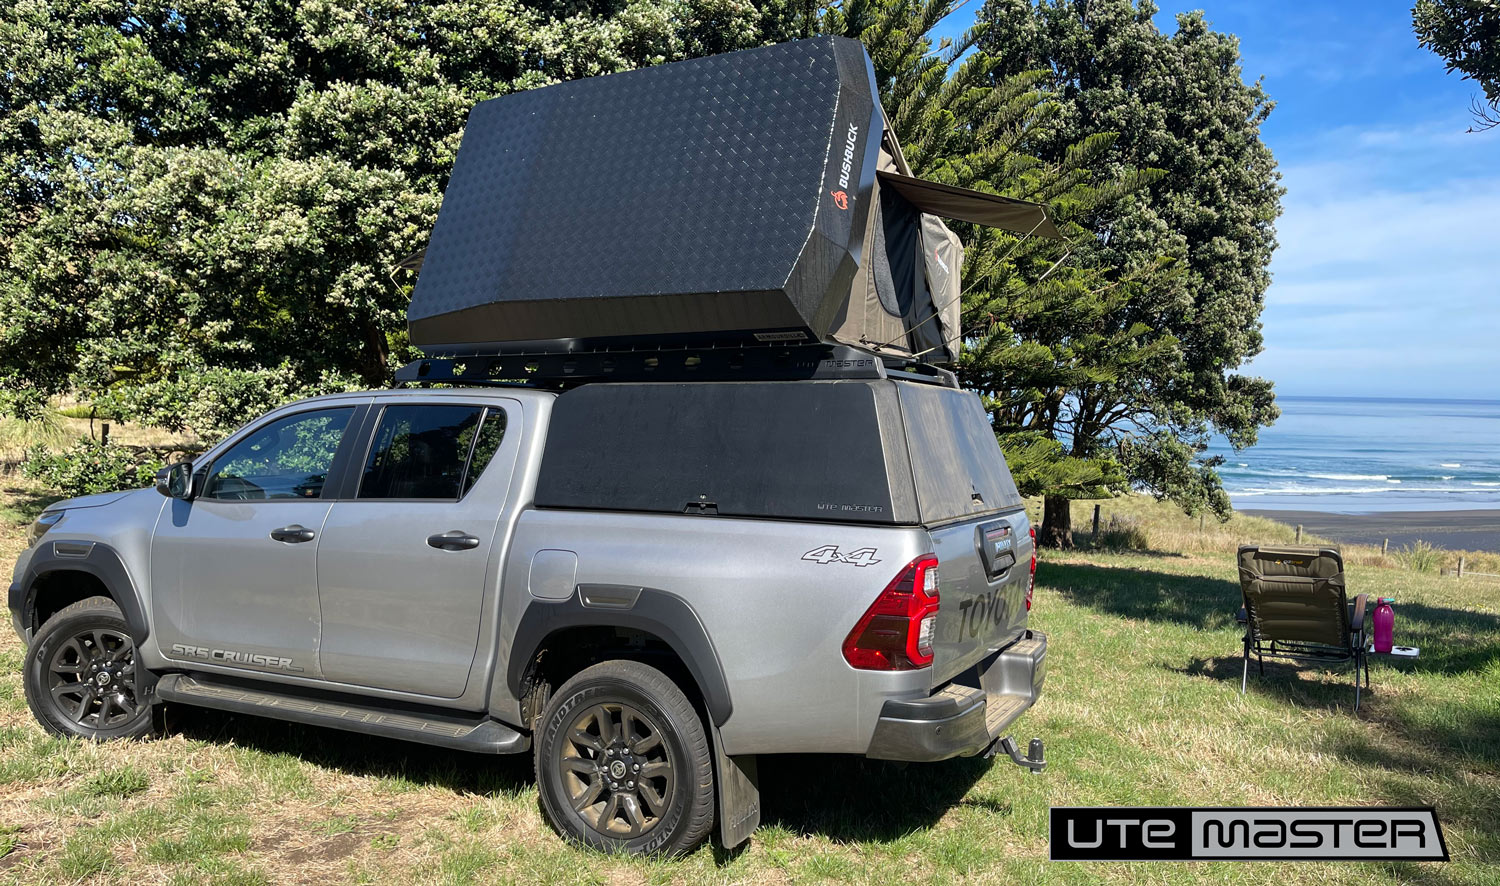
[1358, 456]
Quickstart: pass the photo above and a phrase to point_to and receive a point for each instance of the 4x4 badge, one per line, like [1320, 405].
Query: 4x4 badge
[830, 554]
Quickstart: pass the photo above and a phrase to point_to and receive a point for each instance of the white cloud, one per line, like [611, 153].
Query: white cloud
[1384, 291]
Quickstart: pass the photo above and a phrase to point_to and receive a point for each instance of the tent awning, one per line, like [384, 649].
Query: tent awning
[962, 204]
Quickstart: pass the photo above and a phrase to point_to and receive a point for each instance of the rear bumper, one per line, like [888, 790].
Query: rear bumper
[969, 714]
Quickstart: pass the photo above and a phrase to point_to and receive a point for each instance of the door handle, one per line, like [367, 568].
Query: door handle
[293, 534]
[454, 540]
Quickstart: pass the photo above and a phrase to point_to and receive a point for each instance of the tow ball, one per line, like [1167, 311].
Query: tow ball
[1034, 758]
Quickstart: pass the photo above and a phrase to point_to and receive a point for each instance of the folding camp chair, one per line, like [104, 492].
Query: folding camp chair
[1296, 608]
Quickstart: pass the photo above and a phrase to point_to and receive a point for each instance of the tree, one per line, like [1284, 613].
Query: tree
[1466, 35]
[201, 202]
[1124, 386]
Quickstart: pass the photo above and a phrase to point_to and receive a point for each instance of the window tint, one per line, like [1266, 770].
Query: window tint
[288, 458]
[490, 435]
[420, 452]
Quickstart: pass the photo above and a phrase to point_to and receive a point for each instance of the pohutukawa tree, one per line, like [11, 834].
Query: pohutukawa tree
[1120, 382]
[200, 219]
[1466, 35]
[201, 203]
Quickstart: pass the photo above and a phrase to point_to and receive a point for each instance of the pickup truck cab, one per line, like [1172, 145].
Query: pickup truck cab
[647, 585]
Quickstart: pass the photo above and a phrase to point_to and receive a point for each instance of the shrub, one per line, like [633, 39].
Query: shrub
[1125, 534]
[1419, 556]
[89, 467]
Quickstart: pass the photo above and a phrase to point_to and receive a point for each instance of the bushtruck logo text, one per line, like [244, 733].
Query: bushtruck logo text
[850, 142]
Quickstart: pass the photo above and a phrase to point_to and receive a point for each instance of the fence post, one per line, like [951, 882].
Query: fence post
[1299, 533]
[1460, 565]
[1384, 545]
[1096, 521]
[104, 434]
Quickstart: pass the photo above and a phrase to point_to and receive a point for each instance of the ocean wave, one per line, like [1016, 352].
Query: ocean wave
[1450, 464]
[1385, 477]
[1354, 490]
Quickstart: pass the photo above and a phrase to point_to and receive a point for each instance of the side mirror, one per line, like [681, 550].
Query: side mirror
[176, 481]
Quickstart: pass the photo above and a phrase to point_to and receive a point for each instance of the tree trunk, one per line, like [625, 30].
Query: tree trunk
[1057, 523]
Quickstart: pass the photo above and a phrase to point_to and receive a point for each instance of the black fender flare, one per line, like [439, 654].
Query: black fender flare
[92, 557]
[655, 612]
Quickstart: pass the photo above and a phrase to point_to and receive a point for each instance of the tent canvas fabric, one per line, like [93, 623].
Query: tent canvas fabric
[725, 200]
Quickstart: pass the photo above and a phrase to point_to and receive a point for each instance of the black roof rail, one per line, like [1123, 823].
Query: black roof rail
[561, 371]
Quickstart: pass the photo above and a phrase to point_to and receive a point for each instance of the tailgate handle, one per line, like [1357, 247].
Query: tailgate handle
[996, 543]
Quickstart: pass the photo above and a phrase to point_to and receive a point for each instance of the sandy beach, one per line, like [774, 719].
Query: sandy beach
[1459, 530]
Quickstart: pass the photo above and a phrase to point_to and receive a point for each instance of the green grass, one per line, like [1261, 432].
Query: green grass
[123, 782]
[1142, 706]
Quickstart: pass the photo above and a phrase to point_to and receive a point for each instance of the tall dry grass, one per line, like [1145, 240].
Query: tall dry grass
[1161, 526]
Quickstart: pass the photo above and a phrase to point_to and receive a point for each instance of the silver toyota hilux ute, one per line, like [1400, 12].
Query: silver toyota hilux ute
[646, 585]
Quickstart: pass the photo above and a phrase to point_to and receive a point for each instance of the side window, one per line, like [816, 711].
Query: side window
[491, 432]
[420, 452]
[288, 458]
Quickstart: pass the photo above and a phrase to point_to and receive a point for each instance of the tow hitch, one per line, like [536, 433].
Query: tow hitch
[1034, 759]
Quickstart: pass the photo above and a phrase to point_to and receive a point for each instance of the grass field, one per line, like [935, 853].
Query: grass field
[1142, 707]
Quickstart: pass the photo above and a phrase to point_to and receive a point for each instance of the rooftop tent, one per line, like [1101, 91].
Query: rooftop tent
[731, 199]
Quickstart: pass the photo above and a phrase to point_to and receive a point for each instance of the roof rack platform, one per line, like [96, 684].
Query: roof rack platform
[561, 371]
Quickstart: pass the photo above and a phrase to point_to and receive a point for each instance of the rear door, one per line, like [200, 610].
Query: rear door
[405, 562]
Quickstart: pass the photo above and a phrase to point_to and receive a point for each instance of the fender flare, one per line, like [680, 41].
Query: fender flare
[95, 558]
[654, 611]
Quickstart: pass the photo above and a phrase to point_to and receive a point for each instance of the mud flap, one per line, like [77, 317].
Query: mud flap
[739, 795]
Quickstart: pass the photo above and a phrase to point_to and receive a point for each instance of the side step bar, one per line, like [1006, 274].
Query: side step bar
[477, 733]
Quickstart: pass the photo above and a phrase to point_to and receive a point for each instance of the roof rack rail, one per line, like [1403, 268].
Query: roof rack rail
[560, 371]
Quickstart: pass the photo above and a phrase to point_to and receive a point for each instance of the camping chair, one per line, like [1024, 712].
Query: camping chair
[1296, 608]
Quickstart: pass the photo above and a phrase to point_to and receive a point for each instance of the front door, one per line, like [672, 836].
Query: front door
[234, 571]
[404, 566]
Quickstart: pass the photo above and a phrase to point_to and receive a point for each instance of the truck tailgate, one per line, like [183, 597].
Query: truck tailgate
[984, 566]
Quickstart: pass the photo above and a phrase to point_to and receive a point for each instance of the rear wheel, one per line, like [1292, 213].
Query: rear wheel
[80, 674]
[623, 764]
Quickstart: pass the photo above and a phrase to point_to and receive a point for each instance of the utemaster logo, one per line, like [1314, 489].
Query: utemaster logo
[1178, 833]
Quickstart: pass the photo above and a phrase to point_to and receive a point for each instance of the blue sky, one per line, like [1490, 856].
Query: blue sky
[1387, 278]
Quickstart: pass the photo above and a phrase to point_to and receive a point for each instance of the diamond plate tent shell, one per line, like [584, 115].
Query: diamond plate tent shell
[724, 199]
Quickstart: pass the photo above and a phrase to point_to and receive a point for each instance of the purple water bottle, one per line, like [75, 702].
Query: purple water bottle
[1385, 624]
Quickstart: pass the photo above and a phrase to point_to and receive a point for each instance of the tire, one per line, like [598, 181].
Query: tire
[580, 753]
[86, 645]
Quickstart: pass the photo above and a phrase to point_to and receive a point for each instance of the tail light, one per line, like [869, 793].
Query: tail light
[1031, 582]
[896, 632]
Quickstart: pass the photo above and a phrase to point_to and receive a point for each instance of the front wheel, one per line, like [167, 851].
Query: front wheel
[81, 675]
[623, 763]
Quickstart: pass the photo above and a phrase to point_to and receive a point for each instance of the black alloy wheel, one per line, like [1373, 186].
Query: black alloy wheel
[616, 770]
[623, 762]
[81, 677]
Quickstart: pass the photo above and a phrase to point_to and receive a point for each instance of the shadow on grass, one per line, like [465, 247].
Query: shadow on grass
[1084, 546]
[1327, 687]
[1192, 600]
[850, 799]
[843, 798]
[24, 505]
[1453, 641]
[354, 754]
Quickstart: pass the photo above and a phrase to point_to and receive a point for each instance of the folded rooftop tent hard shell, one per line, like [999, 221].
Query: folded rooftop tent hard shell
[730, 199]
